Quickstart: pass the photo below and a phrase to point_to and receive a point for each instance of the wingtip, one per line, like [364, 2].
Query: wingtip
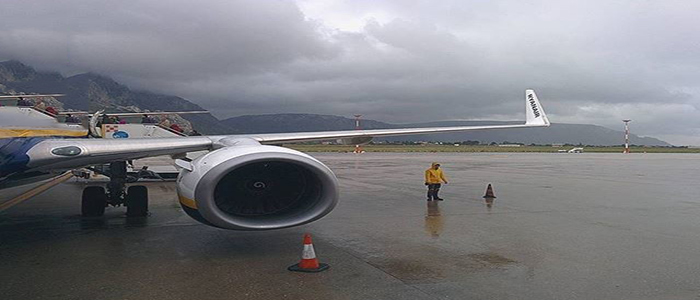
[534, 112]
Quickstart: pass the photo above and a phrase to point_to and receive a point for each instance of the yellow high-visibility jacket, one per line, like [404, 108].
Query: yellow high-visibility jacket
[433, 176]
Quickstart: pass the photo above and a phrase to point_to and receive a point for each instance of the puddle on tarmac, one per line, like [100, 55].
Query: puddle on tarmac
[493, 259]
[437, 266]
[412, 269]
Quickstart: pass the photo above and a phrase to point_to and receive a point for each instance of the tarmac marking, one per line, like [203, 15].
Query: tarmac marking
[35, 191]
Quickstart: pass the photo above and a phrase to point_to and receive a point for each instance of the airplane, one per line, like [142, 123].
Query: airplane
[576, 150]
[23, 122]
[21, 97]
[244, 182]
[572, 150]
[136, 114]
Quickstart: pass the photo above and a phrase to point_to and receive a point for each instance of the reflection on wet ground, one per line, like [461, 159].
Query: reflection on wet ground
[103, 223]
[565, 227]
[433, 219]
[489, 202]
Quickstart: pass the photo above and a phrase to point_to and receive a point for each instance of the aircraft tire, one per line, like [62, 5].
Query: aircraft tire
[137, 201]
[94, 201]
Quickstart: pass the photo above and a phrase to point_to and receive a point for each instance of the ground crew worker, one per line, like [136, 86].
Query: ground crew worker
[71, 119]
[165, 123]
[147, 120]
[433, 178]
[106, 119]
[41, 106]
[176, 127]
[23, 102]
[51, 110]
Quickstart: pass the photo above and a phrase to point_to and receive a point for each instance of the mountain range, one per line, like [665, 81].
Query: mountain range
[90, 91]
[556, 133]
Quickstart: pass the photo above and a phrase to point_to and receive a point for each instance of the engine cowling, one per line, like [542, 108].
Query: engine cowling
[256, 187]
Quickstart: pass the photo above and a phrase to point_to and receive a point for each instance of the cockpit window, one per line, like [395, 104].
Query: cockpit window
[67, 151]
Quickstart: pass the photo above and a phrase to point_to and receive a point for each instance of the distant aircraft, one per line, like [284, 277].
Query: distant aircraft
[572, 150]
[243, 183]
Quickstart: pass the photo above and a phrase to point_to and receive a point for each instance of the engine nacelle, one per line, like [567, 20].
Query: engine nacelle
[256, 187]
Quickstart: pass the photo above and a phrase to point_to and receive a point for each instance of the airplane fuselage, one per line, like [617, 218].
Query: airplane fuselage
[14, 162]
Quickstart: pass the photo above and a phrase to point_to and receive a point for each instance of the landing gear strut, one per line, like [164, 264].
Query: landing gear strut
[96, 198]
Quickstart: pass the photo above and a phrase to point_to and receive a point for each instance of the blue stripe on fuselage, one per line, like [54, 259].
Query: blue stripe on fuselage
[13, 154]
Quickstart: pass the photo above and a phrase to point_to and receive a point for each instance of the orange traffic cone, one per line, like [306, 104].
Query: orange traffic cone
[309, 263]
[489, 192]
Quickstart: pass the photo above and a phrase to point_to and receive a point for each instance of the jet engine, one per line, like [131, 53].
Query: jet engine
[256, 187]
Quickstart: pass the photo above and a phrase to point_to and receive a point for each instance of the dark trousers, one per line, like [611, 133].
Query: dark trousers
[433, 190]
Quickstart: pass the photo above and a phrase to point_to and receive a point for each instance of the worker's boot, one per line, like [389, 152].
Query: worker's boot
[435, 196]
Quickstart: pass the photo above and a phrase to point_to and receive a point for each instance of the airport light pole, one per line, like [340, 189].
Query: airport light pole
[627, 136]
[358, 148]
[357, 122]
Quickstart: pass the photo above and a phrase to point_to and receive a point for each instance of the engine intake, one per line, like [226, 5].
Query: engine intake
[267, 187]
[258, 188]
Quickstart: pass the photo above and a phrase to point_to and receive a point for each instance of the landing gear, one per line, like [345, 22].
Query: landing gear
[96, 198]
[117, 183]
[94, 201]
[137, 201]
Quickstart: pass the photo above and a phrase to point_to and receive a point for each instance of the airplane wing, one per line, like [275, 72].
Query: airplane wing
[53, 154]
[535, 117]
[29, 96]
[137, 114]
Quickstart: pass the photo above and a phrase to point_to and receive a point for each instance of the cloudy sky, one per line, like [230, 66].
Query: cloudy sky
[592, 62]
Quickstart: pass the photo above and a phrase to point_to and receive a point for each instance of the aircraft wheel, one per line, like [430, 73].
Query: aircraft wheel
[137, 201]
[94, 201]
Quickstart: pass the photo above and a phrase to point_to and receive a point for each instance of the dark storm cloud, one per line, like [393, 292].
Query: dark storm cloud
[591, 61]
[164, 40]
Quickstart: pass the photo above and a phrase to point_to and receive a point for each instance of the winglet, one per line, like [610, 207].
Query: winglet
[534, 111]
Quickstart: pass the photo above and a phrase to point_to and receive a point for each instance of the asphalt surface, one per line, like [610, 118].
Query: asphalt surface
[564, 226]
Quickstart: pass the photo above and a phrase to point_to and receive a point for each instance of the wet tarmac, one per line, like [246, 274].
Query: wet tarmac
[564, 226]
